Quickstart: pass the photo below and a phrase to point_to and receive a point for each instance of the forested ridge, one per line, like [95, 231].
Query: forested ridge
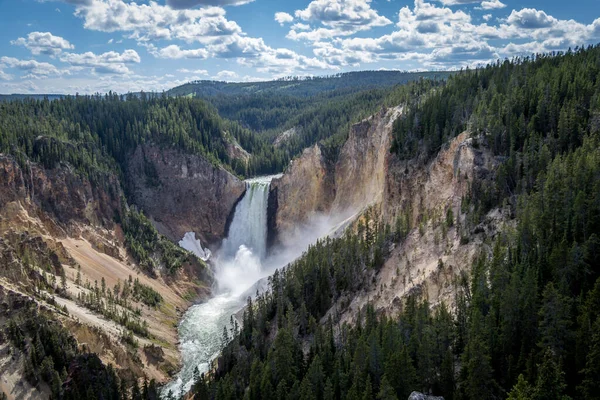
[317, 109]
[108, 128]
[54, 361]
[527, 318]
[306, 86]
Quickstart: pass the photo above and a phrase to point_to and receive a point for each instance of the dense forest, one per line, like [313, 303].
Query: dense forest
[99, 133]
[313, 110]
[527, 322]
[96, 134]
[306, 86]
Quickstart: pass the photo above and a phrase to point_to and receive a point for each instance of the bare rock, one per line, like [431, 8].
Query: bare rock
[315, 185]
[421, 396]
[183, 193]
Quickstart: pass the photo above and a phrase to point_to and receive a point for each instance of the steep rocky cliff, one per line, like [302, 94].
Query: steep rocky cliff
[59, 196]
[61, 245]
[439, 241]
[425, 198]
[183, 193]
[314, 186]
[307, 188]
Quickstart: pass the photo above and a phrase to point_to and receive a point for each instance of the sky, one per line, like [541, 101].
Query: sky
[89, 46]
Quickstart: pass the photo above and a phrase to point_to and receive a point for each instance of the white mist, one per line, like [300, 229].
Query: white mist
[238, 266]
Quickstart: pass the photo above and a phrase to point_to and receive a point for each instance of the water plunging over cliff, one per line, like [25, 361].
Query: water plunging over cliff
[249, 225]
[238, 266]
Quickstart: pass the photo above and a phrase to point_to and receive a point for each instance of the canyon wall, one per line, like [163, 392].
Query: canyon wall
[183, 193]
[440, 243]
[314, 186]
[59, 241]
[426, 196]
[59, 196]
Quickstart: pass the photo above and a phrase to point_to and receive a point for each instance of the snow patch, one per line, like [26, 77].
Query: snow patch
[190, 243]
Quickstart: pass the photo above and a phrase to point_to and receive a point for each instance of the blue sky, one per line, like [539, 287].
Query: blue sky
[88, 46]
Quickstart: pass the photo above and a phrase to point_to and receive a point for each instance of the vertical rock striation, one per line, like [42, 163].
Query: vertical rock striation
[183, 193]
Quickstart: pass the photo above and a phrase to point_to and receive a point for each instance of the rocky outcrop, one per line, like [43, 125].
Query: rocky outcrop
[439, 242]
[286, 135]
[360, 170]
[313, 185]
[60, 194]
[305, 189]
[421, 396]
[183, 193]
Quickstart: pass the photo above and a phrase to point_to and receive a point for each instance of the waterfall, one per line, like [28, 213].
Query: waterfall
[239, 263]
[238, 266]
[249, 225]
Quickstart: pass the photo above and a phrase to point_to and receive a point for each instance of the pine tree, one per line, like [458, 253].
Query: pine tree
[550, 383]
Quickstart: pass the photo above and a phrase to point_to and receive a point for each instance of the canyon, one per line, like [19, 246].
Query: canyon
[71, 221]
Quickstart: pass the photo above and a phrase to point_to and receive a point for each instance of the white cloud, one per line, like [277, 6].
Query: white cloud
[457, 2]
[43, 43]
[339, 18]
[492, 5]
[175, 52]
[487, 17]
[283, 18]
[193, 71]
[182, 4]
[226, 75]
[107, 63]
[34, 68]
[152, 21]
[110, 41]
[530, 18]
[4, 76]
[300, 27]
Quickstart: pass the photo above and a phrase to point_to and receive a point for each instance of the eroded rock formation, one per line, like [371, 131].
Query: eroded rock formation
[183, 193]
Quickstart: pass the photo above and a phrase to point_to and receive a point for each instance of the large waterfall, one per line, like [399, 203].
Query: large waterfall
[249, 225]
[238, 266]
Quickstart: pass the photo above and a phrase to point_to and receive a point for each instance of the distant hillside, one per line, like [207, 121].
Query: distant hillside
[9, 97]
[354, 81]
[295, 113]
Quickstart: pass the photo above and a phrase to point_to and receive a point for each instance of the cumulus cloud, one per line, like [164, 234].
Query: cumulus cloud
[226, 75]
[110, 62]
[35, 69]
[175, 52]
[431, 35]
[283, 18]
[492, 5]
[300, 27]
[339, 18]
[182, 4]
[147, 22]
[530, 18]
[426, 34]
[43, 43]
